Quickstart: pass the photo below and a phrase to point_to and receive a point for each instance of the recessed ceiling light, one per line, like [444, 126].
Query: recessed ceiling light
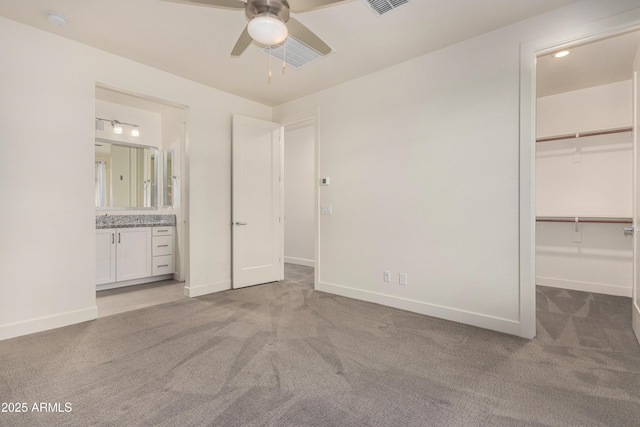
[561, 54]
[56, 19]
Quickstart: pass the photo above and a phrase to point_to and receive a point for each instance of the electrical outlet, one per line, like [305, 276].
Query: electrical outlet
[326, 209]
[403, 278]
[387, 276]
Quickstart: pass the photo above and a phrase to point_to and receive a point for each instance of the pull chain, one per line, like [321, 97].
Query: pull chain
[284, 56]
[269, 64]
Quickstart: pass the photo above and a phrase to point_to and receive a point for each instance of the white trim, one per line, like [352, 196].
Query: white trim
[469, 318]
[528, 51]
[210, 288]
[41, 324]
[281, 257]
[299, 261]
[600, 288]
[636, 321]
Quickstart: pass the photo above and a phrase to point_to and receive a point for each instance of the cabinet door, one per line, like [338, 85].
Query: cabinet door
[134, 253]
[105, 256]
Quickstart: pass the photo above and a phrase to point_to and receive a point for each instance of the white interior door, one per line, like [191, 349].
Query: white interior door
[256, 202]
[636, 201]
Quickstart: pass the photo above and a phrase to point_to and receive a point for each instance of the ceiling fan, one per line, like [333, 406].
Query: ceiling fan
[270, 22]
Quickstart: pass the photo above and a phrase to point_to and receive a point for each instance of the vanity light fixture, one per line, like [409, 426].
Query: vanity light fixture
[118, 126]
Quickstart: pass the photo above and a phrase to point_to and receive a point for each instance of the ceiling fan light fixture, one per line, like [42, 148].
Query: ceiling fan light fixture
[267, 29]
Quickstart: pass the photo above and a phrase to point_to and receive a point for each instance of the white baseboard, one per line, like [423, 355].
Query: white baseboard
[299, 261]
[32, 326]
[469, 318]
[196, 291]
[133, 282]
[574, 285]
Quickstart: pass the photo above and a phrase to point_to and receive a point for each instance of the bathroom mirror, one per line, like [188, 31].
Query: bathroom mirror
[168, 179]
[126, 176]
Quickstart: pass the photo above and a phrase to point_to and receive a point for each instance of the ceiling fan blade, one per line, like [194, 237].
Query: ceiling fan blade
[225, 4]
[305, 5]
[243, 42]
[306, 36]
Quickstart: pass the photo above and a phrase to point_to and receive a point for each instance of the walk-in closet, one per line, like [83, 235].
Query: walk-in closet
[584, 176]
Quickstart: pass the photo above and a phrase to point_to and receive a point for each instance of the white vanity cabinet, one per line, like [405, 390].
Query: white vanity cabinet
[163, 251]
[125, 256]
[105, 256]
[133, 252]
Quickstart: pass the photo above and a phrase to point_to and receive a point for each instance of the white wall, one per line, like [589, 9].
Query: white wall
[423, 159]
[150, 124]
[602, 261]
[174, 122]
[597, 182]
[47, 118]
[299, 182]
[596, 108]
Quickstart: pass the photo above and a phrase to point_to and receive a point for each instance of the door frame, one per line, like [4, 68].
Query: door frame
[291, 118]
[528, 52]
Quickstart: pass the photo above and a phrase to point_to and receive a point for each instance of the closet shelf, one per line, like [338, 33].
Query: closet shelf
[579, 219]
[584, 134]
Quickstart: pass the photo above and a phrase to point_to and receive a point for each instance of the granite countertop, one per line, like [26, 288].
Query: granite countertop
[129, 221]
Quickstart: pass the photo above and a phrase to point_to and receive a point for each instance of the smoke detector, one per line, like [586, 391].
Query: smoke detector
[56, 19]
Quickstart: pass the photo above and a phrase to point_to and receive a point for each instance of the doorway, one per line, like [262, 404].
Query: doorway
[583, 159]
[141, 201]
[303, 127]
[299, 192]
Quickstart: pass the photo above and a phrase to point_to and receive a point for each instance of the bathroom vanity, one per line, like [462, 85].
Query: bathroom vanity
[134, 249]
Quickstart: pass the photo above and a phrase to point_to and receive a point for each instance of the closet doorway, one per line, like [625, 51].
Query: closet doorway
[584, 184]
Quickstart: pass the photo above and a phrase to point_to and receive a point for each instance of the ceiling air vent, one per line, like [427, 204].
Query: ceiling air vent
[297, 54]
[384, 6]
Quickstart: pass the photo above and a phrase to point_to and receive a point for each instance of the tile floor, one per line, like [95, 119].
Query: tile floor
[119, 300]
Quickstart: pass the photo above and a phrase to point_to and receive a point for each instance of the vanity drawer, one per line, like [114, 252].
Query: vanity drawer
[163, 231]
[162, 265]
[162, 245]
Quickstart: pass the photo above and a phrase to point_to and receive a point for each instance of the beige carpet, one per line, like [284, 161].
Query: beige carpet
[283, 354]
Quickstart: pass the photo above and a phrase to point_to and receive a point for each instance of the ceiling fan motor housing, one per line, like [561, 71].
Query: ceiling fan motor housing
[277, 8]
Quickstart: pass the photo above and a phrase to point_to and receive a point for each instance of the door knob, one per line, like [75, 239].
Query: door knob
[240, 223]
[628, 230]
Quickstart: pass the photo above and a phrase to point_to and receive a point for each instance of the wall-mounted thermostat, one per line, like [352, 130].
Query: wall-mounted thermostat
[325, 181]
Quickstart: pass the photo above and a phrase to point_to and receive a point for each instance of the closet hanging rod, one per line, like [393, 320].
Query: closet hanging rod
[583, 134]
[601, 220]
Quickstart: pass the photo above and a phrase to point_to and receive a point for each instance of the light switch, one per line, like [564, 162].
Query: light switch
[325, 209]
[403, 278]
[325, 181]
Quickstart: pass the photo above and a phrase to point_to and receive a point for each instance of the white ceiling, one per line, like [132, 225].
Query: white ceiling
[195, 41]
[596, 63]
